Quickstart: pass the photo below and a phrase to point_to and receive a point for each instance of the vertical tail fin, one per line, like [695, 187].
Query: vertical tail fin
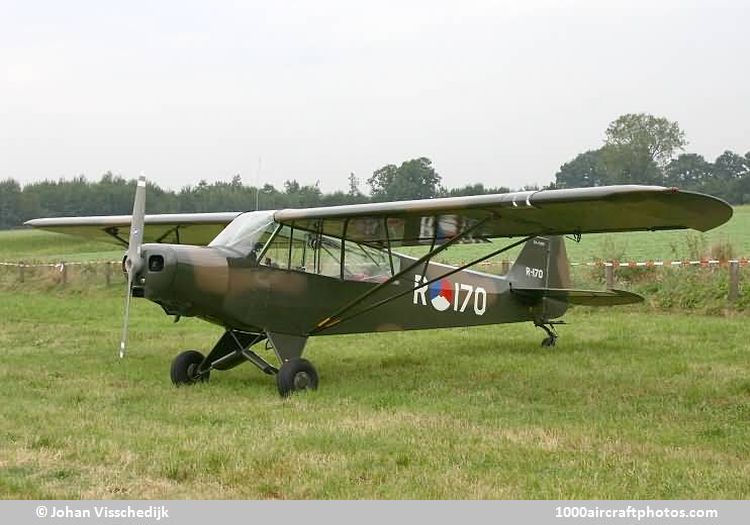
[540, 279]
[542, 263]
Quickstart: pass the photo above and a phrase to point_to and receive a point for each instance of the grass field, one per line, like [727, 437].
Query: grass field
[631, 403]
[628, 405]
[40, 246]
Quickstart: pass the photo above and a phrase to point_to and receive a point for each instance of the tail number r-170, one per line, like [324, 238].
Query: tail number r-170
[536, 273]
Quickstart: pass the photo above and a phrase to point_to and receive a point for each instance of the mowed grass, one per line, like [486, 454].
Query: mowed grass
[40, 246]
[630, 404]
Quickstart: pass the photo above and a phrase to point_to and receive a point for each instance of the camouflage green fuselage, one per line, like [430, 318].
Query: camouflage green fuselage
[209, 283]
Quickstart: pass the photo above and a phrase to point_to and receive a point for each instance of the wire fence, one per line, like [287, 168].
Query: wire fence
[62, 273]
[108, 273]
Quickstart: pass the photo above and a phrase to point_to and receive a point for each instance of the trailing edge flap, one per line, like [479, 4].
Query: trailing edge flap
[581, 297]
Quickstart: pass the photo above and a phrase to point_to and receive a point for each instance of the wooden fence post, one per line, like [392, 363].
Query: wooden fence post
[108, 272]
[609, 275]
[734, 280]
[21, 272]
[64, 271]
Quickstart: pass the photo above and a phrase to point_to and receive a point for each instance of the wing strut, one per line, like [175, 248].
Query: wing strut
[115, 234]
[335, 318]
[388, 243]
[175, 230]
[380, 303]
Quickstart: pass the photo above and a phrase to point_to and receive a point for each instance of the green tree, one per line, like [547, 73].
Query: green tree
[688, 171]
[730, 175]
[743, 186]
[646, 136]
[637, 147]
[354, 186]
[587, 169]
[627, 166]
[10, 203]
[299, 196]
[414, 179]
[475, 189]
[730, 166]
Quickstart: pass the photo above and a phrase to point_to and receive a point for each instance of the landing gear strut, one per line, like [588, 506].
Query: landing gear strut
[234, 348]
[549, 327]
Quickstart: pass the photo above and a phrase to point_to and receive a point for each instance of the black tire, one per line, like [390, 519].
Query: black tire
[183, 370]
[549, 341]
[296, 375]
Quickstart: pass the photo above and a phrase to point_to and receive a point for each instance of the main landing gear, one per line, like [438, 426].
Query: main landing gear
[549, 327]
[296, 375]
[184, 369]
[234, 348]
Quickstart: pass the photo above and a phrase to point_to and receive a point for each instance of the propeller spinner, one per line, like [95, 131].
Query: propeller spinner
[133, 258]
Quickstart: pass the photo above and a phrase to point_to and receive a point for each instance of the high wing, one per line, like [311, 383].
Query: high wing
[177, 228]
[544, 212]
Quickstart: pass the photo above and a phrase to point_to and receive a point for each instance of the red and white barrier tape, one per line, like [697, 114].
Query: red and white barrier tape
[744, 261]
[653, 264]
[705, 263]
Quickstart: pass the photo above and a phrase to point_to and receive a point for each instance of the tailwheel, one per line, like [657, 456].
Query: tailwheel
[184, 370]
[296, 375]
[549, 327]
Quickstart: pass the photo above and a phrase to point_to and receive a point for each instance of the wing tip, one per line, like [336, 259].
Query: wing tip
[33, 223]
[713, 211]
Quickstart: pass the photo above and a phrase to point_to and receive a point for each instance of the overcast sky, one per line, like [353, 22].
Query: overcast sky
[496, 92]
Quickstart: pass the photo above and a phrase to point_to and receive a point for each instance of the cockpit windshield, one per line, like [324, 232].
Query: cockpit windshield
[247, 233]
[256, 237]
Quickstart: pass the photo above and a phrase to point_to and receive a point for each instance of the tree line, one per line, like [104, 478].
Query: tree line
[637, 149]
[643, 149]
[113, 195]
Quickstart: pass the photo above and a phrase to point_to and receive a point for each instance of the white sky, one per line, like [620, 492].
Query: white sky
[496, 92]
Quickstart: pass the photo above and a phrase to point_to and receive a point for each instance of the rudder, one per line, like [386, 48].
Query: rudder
[542, 263]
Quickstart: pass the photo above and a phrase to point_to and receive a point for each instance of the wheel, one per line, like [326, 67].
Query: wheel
[296, 375]
[184, 368]
[549, 341]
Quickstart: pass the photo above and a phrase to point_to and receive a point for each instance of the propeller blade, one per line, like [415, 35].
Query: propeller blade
[126, 318]
[133, 259]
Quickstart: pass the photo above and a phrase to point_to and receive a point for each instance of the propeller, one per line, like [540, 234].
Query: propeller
[133, 259]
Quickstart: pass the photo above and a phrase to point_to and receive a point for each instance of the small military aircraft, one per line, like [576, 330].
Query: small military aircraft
[280, 277]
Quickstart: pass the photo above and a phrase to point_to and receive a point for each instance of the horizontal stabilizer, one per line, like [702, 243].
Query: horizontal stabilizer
[581, 297]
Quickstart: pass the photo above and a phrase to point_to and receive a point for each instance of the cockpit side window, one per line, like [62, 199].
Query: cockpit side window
[310, 252]
[284, 251]
[363, 263]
